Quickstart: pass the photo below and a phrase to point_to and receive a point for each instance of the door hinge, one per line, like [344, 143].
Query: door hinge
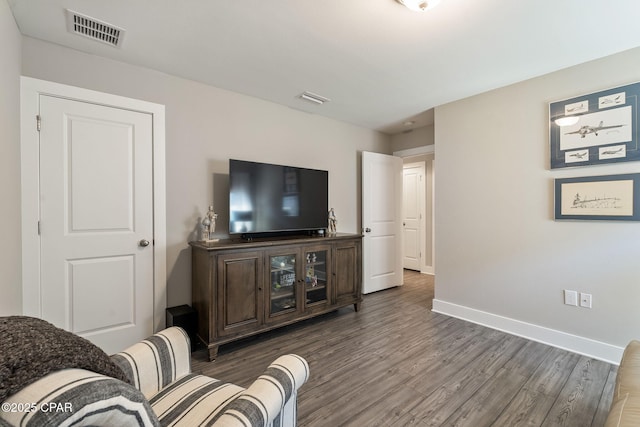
[38, 122]
[38, 228]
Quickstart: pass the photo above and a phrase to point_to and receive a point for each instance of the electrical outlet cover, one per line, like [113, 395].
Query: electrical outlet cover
[585, 300]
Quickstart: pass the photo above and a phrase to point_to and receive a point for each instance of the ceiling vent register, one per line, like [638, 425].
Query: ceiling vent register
[94, 29]
[313, 97]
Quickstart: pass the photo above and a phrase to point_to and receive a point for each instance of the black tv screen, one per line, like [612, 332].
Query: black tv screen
[267, 198]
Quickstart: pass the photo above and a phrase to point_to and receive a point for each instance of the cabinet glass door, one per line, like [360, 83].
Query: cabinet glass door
[315, 276]
[283, 283]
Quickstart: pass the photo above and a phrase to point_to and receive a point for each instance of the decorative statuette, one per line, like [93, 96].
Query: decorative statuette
[333, 222]
[209, 226]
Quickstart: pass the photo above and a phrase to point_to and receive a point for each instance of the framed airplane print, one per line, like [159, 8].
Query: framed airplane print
[600, 127]
[609, 197]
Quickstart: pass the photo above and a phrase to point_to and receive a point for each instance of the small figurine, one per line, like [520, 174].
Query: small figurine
[333, 222]
[209, 225]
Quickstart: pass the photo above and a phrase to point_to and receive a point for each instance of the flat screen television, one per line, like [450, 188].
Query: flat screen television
[276, 199]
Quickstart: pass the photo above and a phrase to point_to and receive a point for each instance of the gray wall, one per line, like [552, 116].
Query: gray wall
[10, 257]
[498, 248]
[206, 126]
[418, 137]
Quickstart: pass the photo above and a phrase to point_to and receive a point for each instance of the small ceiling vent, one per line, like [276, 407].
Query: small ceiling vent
[94, 29]
[313, 97]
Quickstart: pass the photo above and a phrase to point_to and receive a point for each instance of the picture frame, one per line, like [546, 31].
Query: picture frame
[606, 197]
[606, 130]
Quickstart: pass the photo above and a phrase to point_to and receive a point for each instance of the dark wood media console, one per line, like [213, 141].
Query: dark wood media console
[243, 288]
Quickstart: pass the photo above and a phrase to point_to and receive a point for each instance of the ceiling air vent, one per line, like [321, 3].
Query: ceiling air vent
[312, 97]
[94, 29]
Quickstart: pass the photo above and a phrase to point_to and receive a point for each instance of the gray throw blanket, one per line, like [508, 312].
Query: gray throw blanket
[31, 348]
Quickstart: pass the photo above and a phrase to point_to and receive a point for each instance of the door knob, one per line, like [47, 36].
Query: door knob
[367, 230]
[143, 243]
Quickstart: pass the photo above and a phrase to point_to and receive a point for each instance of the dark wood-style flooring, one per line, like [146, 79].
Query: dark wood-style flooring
[396, 363]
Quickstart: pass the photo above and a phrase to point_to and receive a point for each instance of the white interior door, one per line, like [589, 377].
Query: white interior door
[381, 221]
[96, 221]
[412, 215]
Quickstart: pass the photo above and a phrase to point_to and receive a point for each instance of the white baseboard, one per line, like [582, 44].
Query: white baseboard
[585, 346]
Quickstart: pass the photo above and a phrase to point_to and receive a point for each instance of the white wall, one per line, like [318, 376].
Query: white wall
[501, 258]
[10, 257]
[205, 127]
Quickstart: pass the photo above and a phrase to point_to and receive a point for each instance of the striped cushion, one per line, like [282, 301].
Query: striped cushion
[193, 400]
[76, 397]
[156, 362]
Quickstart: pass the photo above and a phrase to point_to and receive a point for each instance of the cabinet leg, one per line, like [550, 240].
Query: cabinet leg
[213, 352]
[356, 306]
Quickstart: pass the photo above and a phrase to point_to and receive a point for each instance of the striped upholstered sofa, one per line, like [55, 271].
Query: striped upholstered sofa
[162, 392]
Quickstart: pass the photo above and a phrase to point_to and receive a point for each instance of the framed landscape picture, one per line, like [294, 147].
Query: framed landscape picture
[610, 197]
[600, 127]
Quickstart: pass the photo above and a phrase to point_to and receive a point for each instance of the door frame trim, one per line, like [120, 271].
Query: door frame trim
[425, 150]
[30, 91]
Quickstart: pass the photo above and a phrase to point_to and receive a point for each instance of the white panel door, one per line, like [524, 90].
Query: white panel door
[96, 221]
[412, 186]
[381, 221]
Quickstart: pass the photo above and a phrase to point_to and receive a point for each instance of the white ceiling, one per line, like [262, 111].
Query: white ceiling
[379, 63]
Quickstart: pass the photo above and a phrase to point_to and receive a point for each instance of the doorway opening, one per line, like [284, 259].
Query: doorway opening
[418, 209]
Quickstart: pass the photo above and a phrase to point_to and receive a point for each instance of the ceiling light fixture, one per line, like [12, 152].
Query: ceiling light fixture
[419, 5]
[312, 97]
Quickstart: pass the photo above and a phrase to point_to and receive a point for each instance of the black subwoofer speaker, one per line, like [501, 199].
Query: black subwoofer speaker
[185, 317]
